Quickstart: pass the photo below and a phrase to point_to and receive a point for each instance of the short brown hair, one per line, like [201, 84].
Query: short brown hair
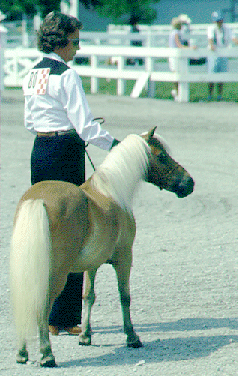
[54, 31]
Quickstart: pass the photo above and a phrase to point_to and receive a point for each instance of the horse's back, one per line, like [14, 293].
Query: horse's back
[60, 196]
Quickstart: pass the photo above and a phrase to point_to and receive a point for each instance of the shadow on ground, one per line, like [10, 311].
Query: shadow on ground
[172, 349]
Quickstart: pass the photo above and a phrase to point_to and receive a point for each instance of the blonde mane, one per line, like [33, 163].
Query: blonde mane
[122, 170]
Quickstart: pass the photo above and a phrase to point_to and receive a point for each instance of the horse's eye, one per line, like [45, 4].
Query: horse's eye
[162, 157]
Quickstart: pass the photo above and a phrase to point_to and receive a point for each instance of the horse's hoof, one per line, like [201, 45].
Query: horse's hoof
[22, 357]
[135, 344]
[84, 341]
[48, 361]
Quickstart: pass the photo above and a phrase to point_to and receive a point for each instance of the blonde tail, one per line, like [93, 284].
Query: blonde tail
[30, 266]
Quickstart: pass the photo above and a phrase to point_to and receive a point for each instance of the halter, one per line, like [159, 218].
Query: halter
[162, 185]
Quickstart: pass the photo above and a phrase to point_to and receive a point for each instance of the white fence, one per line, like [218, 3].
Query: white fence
[110, 62]
[158, 35]
[22, 34]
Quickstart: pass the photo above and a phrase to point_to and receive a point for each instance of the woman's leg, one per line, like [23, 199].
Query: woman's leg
[62, 158]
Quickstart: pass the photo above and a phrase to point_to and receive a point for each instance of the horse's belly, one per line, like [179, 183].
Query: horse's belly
[98, 248]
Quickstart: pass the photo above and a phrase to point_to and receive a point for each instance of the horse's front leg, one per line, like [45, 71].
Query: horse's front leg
[89, 299]
[122, 267]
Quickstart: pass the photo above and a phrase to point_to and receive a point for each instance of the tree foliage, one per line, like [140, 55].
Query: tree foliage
[46, 6]
[128, 11]
[15, 8]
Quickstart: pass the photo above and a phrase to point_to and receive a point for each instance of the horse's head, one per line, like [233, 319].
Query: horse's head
[163, 171]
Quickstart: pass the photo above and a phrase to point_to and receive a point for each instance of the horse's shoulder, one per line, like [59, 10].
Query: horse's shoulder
[109, 208]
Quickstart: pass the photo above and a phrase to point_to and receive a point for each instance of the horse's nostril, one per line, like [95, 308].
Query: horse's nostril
[184, 187]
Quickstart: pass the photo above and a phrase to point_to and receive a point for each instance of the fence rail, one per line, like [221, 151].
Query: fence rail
[111, 62]
[22, 33]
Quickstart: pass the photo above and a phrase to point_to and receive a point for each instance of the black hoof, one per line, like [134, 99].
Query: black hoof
[136, 344]
[85, 343]
[48, 362]
[84, 340]
[22, 357]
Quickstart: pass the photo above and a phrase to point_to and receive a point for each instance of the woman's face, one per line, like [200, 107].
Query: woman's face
[219, 24]
[68, 52]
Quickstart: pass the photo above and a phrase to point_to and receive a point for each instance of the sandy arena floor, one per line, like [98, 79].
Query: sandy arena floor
[184, 281]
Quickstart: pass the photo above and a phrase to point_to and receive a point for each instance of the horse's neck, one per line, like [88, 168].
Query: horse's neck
[94, 195]
[122, 171]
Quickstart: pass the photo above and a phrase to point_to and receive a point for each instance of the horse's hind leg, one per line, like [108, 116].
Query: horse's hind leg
[89, 299]
[22, 355]
[48, 359]
[122, 267]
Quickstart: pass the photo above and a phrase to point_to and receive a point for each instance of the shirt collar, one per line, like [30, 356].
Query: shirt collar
[54, 56]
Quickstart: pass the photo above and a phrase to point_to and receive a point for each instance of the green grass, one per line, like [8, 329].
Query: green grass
[198, 91]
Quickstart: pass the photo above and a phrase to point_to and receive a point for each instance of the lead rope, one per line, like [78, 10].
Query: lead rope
[101, 120]
[89, 158]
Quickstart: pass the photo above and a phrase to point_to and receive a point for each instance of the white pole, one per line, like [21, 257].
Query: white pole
[183, 86]
[25, 39]
[37, 21]
[3, 39]
[74, 8]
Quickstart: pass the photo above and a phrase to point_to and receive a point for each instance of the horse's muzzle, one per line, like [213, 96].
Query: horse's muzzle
[184, 187]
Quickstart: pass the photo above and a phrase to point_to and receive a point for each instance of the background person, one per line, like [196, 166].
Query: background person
[219, 36]
[135, 43]
[176, 41]
[58, 114]
[185, 29]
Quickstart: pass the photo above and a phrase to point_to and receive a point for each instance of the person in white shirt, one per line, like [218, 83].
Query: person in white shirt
[219, 36]
[58, 114]
[177, 39]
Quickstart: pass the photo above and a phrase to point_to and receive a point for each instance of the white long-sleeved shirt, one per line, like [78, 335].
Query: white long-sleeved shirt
[55, 101]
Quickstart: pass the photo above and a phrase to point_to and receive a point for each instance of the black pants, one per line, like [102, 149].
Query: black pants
[62, 157]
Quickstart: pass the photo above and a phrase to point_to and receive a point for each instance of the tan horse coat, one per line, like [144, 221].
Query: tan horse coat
[95, 226]
[60, 228]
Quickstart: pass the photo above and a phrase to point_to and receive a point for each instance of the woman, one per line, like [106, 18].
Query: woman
[57, 112]
[177, 40]
[219, 36]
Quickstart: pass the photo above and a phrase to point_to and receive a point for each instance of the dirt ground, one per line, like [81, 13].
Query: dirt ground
[185, 272]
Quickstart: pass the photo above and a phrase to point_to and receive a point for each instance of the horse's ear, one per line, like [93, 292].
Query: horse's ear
[148, 135]
[151, 133]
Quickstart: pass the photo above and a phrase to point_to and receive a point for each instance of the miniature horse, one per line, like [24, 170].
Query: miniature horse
[61, 228]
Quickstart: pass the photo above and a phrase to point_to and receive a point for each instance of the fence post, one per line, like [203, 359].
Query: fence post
[25, 34]
[151, 84]
[120, 81]
[3, 38]
[183, 86]
[94, 80]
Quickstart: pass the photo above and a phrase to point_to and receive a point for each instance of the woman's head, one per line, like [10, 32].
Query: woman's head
[176, 23]
[55, 30]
